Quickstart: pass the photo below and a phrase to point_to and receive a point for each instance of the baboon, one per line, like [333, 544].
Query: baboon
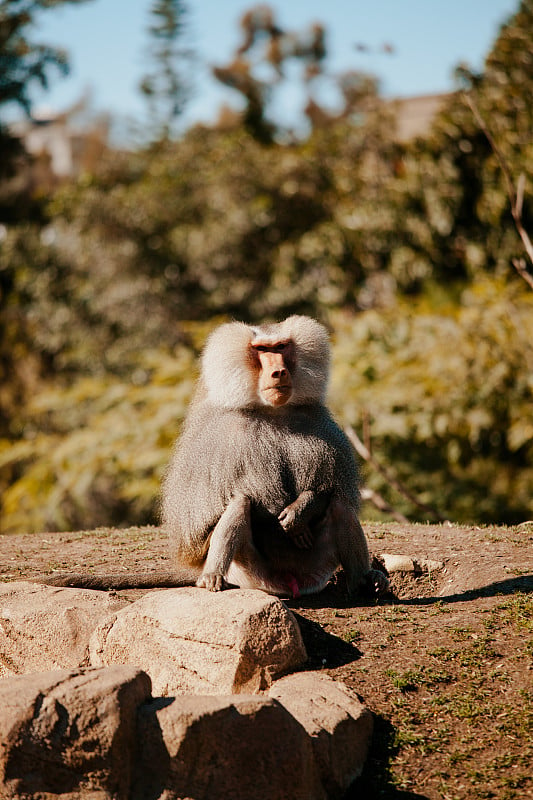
[262, 488]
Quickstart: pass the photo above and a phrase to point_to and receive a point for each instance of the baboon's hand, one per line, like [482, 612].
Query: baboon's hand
[288, 518]
[211, 581]
[299, 532]
[377, 582]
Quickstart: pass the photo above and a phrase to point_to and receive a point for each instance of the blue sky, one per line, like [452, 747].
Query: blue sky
[107, 40]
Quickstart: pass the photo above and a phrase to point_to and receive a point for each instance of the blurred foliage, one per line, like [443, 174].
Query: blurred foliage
[93, 454]
[447, 395]
[448, 391]
[404, 248]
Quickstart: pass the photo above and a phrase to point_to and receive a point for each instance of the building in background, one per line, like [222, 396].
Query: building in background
[68, 143]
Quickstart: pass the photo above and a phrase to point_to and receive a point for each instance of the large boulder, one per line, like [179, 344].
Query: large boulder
[70, 734]
[45, 627]
[243, 747]
[196, 642]
[339, 725]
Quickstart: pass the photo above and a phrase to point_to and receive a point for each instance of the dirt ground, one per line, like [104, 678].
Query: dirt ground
[445, 663]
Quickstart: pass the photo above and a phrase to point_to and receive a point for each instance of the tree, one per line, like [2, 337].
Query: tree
[266, 44]
[260, 64]
[165, 88]
[483, 234]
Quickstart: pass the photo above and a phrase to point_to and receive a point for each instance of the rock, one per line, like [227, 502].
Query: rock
[398, 563]
[243, 747]
[70, 734]
[195, 642]
[340, 727]
[395, 563]
[45, 627]
[430, 565]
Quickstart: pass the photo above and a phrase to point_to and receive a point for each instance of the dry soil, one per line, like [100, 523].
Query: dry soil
[445, 663]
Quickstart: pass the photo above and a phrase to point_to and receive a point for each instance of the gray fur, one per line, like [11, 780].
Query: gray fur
[240, 463]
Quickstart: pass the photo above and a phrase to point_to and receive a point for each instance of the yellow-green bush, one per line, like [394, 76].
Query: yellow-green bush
[94, 454]
[448, 393]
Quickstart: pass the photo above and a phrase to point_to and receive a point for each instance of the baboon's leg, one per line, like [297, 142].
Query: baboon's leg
[229, 535]
[353, 552]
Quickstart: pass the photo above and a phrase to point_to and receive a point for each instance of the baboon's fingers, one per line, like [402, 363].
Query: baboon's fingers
[287, 519]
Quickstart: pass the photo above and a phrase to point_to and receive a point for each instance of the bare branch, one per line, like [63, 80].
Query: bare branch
[520, 186]
[366, 431]
[376, 499]
[516, 197]
[496, 150]
[391, 479]
[520, 265]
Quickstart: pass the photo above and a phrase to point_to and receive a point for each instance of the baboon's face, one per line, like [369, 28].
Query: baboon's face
[274, 363]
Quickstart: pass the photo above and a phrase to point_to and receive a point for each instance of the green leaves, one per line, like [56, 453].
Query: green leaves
[449, 396]
[23, 62]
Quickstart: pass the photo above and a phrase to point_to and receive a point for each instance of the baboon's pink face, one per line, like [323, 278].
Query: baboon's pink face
[274, 362]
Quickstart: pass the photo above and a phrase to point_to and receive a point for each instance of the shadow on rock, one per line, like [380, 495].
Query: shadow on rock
[152, 763]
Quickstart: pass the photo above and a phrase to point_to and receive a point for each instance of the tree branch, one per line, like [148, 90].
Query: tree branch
[516, 197]
[377, 500]
[391, 479]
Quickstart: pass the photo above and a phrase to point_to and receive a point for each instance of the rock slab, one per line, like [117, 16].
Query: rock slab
[97, 734]
[45, 627]
[402, 563]
[70, 734]
[197, 642]
[339, 725]
[243, 747]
